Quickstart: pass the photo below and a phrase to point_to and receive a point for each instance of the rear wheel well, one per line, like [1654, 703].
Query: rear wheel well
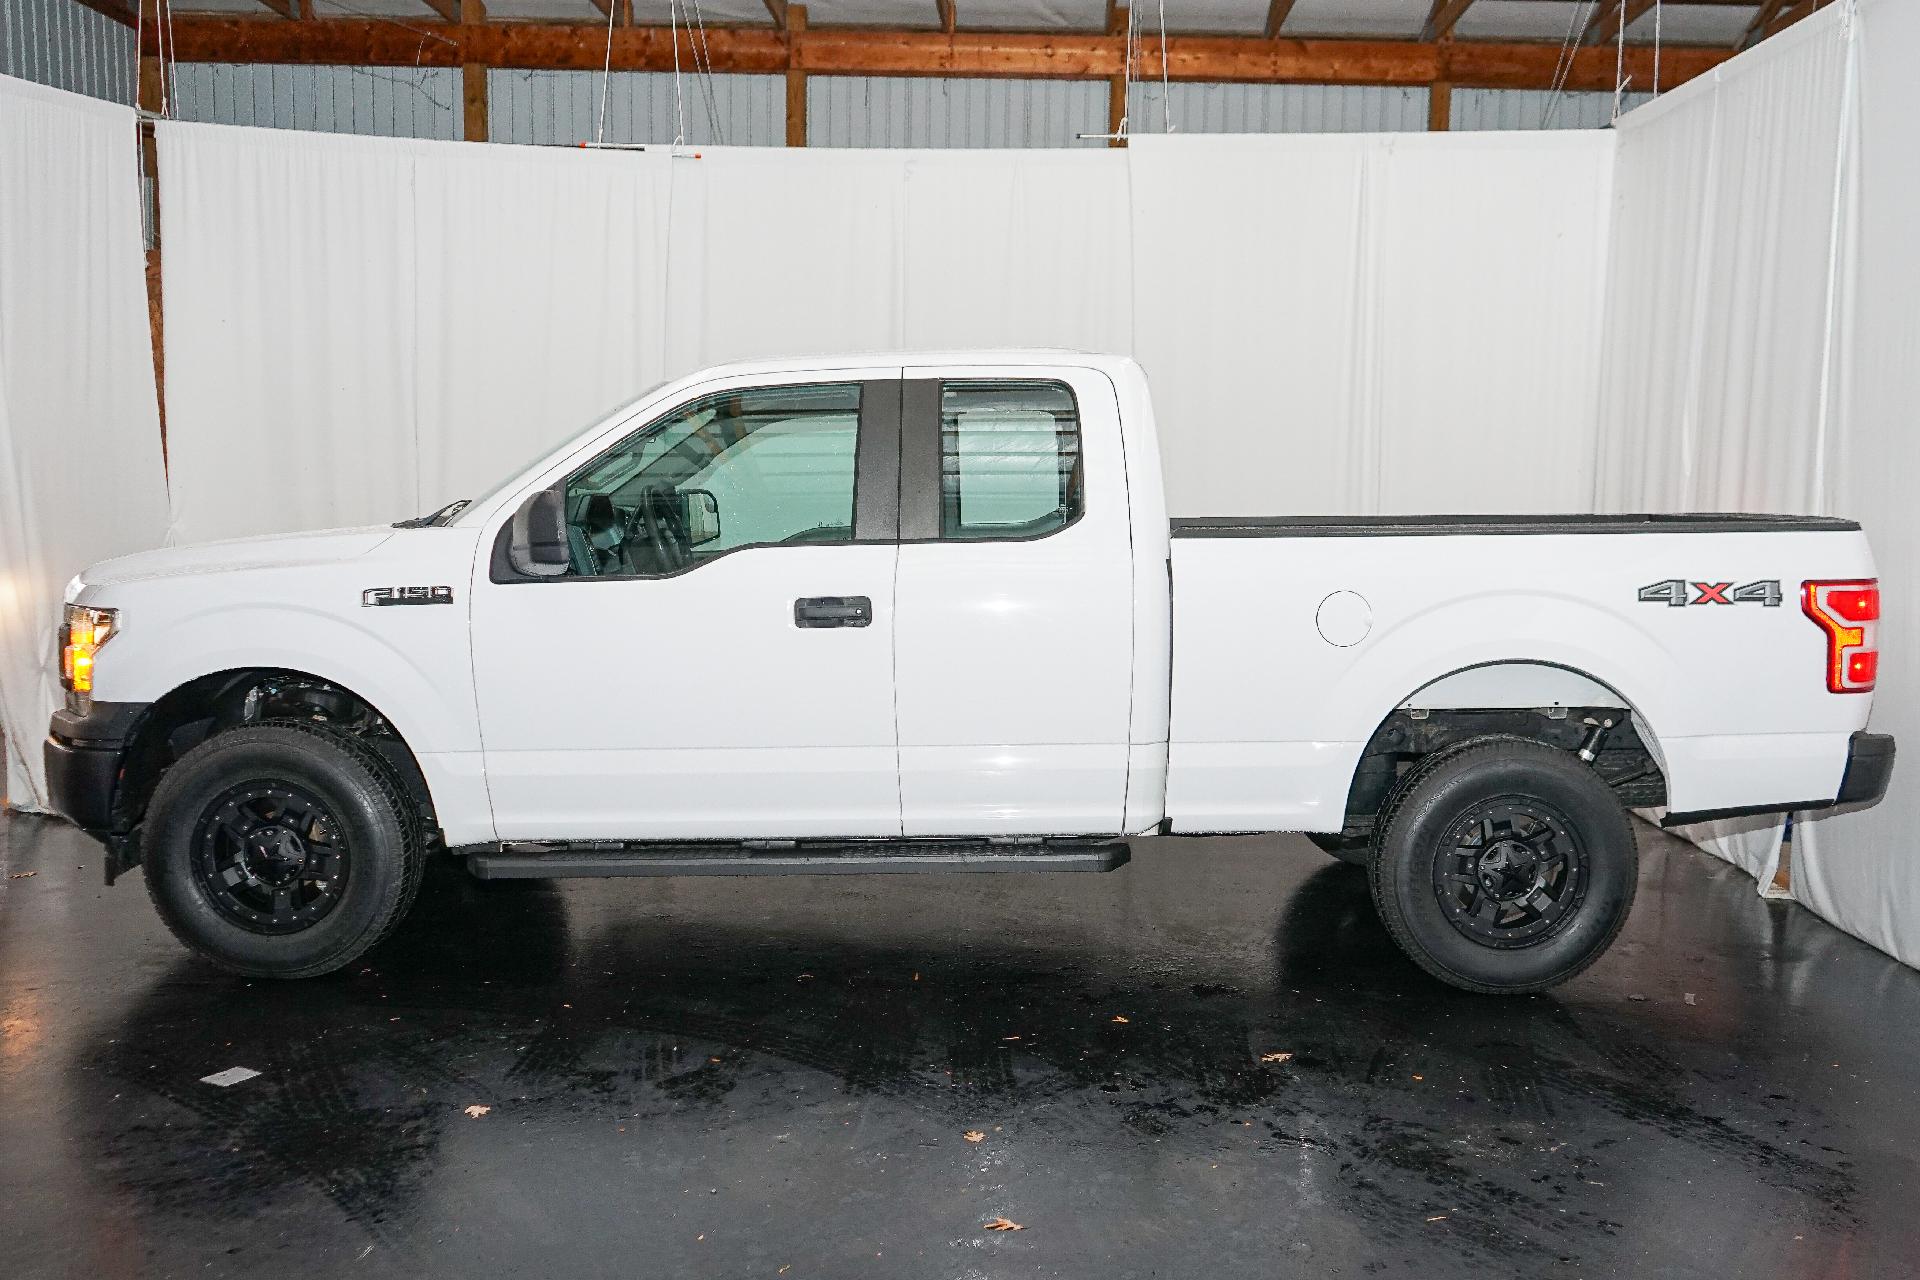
[189, 715]
[1409, 735]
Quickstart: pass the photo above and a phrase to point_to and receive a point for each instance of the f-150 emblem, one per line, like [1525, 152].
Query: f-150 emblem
[406, 595]
[1674, 591]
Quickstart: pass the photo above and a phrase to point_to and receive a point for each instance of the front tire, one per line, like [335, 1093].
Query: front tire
[281, 850]
[1505, 866]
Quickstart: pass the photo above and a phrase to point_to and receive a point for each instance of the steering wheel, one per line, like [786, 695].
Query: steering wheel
[657, 515]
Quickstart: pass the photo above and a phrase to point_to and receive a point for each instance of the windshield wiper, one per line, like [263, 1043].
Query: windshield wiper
[442, 516]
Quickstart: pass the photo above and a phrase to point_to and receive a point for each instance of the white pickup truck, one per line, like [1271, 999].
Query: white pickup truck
[928, 613]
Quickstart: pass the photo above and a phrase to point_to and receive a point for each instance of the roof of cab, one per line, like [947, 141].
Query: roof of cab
[959, 356]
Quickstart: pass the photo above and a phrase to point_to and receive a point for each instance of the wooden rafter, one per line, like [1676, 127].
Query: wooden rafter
[447, 9]
[949, 14]
[621, 11]
[119, 10]
[1062, 55]
[1762, 19]
[1610, 17]
[1441, 19]
[291, 10]
[1277, 11]
[777, 10]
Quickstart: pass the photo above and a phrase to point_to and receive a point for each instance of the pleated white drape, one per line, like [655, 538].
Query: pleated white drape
[1763, 354]
[1385, 323]
[362, 329]
[80, 468]
[1720, 281]
[1302, 304]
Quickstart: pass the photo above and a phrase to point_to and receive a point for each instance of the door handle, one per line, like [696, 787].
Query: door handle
[832, 611]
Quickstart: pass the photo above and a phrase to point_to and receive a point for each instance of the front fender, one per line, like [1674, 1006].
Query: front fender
[412, 664]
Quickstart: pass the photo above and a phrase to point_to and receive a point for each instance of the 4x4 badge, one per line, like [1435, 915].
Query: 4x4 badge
[1673, 591]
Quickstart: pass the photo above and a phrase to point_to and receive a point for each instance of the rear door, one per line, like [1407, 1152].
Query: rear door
[1014, 603]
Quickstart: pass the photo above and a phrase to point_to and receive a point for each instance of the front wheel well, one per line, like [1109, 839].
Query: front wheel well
[1606, 737]
[187, 716]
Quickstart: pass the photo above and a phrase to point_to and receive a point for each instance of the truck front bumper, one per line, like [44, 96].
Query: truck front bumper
[1864, 783]
[85, 755]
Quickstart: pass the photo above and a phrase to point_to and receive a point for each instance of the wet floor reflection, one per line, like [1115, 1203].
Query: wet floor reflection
[1219, 1069]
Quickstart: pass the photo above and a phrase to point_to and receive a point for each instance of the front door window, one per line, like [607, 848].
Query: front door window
[768, 466]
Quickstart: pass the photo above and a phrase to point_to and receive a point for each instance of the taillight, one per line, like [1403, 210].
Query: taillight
[1848, 612]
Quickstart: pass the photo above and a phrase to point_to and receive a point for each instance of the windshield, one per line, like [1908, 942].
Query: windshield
[447, 514]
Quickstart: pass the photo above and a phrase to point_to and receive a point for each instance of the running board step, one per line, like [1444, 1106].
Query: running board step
[875, 857]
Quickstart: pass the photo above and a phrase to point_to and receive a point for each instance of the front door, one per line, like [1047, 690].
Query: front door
[1014, 659]
[717, 662]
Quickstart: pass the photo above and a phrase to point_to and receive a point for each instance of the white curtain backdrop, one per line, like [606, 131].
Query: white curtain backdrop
[362, 329]
[80, 468]
[1862, 871]
[1372, 323]
[1298, 301]
[1763, 354]
[1720, 292]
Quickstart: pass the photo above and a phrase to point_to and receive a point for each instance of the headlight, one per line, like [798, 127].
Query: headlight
[85, 631]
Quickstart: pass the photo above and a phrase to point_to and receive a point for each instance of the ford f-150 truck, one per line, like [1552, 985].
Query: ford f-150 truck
[928, 613]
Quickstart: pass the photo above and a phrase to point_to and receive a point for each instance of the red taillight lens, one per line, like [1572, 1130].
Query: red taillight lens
[1847, 612]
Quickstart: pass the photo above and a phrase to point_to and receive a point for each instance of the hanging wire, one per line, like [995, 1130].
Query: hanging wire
[606, 78]
[1620, 59]
[170, 68]
[1166, 97]
[679, 100]
[703, 63]
[1563, 65]
[1656, 48]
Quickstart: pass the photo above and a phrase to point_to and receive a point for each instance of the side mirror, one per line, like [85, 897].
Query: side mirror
[699, 516]
[537, 538]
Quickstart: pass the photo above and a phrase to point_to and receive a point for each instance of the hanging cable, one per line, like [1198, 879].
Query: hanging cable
[170, 69]
[703, 65]
[679, 101]
[1563, 65]
[1620, 59]
[606, 78]
[1166, 97]
[1656, 48]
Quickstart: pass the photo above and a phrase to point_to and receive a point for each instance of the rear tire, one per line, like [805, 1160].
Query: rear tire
[1504, 866]
[281, 850]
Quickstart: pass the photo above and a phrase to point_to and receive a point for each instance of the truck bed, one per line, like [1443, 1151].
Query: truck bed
[1437, 525]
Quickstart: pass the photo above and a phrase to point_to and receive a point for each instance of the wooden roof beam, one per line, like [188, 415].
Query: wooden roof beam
[1762, 19]
[621, 11]
[1604, 28]
[1441, 19]
[1062, 55]
[1277, 13]
[949, 14]
[121, 11]
[777, 10]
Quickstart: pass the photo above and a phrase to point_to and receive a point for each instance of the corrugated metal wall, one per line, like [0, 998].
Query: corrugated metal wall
[919, 111]
[1531, 109]
[392, 102]
[1275, 108]
[563, 107]
[68, 46]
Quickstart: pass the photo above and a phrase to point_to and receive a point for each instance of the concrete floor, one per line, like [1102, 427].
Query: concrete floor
[776, 1078]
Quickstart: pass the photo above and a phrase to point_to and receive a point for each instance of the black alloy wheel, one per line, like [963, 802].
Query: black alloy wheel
[1514, 874]
[271, 857]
